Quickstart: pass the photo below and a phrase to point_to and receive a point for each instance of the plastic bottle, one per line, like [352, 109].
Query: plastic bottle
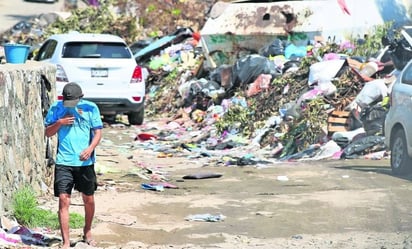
[369, 69]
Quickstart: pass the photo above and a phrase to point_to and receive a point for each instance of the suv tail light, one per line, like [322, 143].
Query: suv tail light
[137, 76]
[61, 74]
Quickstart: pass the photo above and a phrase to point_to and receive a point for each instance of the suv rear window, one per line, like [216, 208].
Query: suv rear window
[95, 50]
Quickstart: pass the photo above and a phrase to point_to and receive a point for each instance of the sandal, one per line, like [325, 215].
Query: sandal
[90, 242]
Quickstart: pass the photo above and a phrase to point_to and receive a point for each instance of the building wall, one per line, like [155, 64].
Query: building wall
[22, 140]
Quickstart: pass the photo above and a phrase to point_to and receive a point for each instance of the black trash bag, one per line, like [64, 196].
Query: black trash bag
[373, 119]
[306, 153]
[354, 120]
[222, 75]
[275, 48]
[363, 146]
[291, 65]
[200, 90]
[247, 69]
[401, 53]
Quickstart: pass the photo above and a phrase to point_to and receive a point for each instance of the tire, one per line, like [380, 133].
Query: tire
[136, 118]
[400, 160]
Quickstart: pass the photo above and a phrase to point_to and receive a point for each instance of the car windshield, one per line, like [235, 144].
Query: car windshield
[96, 50]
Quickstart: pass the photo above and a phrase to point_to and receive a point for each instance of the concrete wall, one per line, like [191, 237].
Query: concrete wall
[22, 140]
[249, 25]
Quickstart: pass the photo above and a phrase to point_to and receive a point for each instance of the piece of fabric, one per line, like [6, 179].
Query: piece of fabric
[73, 139]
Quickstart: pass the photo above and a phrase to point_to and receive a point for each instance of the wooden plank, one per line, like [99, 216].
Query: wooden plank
[337, 120]
[340, 113]
[336, 128]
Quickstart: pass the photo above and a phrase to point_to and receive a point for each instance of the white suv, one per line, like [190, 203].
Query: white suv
[103, 65]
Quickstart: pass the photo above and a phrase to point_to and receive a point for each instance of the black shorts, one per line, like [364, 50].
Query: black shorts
[82, 179]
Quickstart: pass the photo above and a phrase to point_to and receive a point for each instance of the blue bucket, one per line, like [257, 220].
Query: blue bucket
[16, 53]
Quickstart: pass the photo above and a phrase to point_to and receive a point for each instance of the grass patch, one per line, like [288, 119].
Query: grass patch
[27, 212]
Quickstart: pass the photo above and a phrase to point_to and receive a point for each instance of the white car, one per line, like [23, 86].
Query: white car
[398, 121]
[103, 65]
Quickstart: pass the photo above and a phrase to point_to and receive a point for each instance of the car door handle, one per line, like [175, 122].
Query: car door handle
[100, 84]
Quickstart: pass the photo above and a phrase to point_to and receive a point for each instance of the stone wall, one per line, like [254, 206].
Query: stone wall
[22, 140]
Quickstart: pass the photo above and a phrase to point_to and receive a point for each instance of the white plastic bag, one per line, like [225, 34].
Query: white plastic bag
[372, 91]
[324, 70]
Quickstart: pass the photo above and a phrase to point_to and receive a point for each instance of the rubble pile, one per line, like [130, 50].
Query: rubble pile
[289, 96]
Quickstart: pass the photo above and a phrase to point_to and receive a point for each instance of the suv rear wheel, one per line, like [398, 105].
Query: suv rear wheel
[136, 118]
[400, 160]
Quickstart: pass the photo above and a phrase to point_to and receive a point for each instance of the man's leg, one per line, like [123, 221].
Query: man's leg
[89, 207]
[64, 203]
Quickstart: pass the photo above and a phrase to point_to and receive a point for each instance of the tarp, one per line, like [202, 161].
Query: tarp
[154, 46]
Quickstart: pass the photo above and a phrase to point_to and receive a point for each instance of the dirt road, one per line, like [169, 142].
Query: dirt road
[316, 204]
[11, 12]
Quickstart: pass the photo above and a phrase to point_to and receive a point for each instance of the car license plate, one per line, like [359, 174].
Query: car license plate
[100, 72]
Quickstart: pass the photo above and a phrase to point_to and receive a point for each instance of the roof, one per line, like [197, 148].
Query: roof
[76, 36]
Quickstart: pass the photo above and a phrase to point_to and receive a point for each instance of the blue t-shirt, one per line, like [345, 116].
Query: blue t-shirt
[73, 139]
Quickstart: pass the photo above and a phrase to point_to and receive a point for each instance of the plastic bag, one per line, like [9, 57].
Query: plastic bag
[373, 119]
[293, 50]
[372, 92]
[247, 69]
[324, 70]
[262, 82]
[275, 48]
[364, 146]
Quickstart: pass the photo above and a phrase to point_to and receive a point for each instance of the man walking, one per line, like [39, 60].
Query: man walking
[78, 126]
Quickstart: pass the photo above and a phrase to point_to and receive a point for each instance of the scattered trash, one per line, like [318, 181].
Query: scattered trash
[202, 176]
[147, 186]
[282, 178]
[145, 137]
[206, 217]
[12, 233]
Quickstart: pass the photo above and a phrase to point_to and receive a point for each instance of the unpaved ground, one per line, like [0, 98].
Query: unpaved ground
[320, 204]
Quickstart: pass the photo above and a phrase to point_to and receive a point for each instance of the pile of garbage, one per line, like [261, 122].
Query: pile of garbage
[299, 102]
[290, 97]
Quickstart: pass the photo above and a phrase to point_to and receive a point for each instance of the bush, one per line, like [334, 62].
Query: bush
[27, 212]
